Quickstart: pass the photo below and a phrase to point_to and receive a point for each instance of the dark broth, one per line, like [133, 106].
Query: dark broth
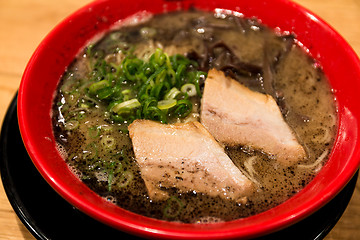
[98, 149]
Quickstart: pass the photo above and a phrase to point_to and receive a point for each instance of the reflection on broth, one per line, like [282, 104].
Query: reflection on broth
[157, 70]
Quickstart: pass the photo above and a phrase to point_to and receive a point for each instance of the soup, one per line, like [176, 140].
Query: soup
[157, 70]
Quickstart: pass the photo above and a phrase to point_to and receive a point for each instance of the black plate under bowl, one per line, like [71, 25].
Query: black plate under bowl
[48, 216]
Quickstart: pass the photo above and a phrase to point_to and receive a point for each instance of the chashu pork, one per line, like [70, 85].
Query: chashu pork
[236, 115]
[185, 156]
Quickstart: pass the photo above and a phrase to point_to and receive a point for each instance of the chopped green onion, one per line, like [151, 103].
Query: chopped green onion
[80, 115]
[161, 76]
[110, 171]
[89, 50]
[119, 168]
[184, 108]
[172, 93]
[126, 106]
[155, 113]
[158, 58]
[173, 207]
[117, 118]
[126, 91]
[98, 85]
[179, 75]
[166, 104]
[71, 125]
[156, 90]
[84, 105]
[94, 132]
[199, 75]
[90, 151]
[153, 88]
[104, 93]
[116, 93]
[108, 142]
[125, 179]
[131, 66]
[189, 88]
[106, 128]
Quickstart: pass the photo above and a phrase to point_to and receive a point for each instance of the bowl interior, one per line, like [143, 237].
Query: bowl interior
[58, 49]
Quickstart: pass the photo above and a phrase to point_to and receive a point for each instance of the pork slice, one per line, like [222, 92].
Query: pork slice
[236, 115]
[185, 156]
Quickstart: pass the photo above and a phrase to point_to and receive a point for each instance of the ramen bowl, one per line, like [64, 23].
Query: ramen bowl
[44, 70]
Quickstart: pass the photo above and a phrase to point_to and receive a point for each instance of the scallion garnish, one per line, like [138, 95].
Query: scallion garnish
[189, 88]
[157, 89]
[108, 142]
[71, 125]
[172, 93]
[166, 104]
[126, 107]
[95, 87]
[125, 179]
[173, 207]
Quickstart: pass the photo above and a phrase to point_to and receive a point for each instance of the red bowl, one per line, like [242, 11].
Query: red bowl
[57, 50]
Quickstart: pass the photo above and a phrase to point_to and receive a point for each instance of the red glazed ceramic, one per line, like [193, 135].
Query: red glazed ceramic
[57, 50]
